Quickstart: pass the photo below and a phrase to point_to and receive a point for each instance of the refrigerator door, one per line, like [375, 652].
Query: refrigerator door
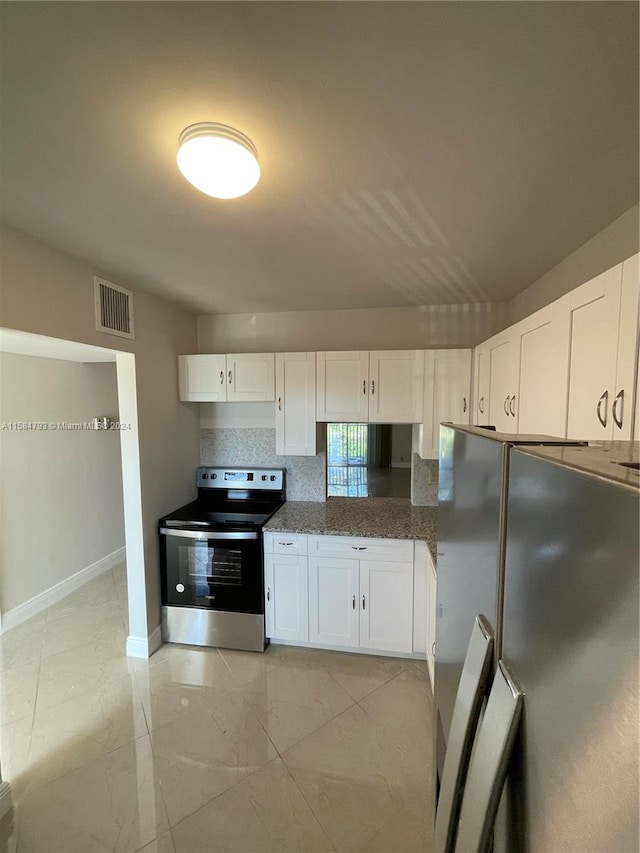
[470, 486]
[570, 632]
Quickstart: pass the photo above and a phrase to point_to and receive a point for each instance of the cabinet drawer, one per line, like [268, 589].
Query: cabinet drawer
[285, 543]
[392, 550]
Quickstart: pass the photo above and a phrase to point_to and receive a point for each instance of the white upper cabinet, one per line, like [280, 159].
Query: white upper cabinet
[250, 377]
[542, 359]
[227, 378]
[202, 378]
[603, 354]
[395, 386]
[503, 372]
[342, 387]
[480, 414]
[296, 403]
[447, 390]
[376, 387]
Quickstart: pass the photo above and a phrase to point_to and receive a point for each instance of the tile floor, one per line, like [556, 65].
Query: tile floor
[204, 749]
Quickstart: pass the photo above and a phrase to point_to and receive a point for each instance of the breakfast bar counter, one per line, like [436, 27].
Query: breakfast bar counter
[382, 518]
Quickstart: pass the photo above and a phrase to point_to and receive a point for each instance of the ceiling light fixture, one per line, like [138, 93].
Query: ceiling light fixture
[218, 160]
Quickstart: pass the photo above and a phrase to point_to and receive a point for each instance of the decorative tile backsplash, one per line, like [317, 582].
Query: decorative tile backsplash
[425, 481]
[257, 447]
[305, 474]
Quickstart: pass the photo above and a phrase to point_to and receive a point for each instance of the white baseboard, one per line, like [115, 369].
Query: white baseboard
[45, 599]
[6, 800]
[144, 647]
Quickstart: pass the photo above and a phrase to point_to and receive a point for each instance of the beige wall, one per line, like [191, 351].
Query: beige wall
[61, 490]
[609, 247]
[48, 292]
[355, 329]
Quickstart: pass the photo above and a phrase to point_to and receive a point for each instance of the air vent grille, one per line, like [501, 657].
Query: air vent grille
[114, 309]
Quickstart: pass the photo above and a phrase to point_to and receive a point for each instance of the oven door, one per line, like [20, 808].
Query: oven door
[219, 570]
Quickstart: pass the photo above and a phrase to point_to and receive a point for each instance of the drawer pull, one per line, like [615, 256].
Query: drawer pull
[363, 603]
[358, 547]
[286, 543]
[353, 603]
[268, 594]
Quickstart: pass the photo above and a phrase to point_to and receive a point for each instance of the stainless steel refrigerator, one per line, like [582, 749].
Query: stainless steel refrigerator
[473, 492]
[570, 636]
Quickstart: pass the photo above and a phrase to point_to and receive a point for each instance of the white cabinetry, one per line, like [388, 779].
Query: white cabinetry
[424, 606]
[361, 593]
[202, 378]
[447, 390]
[286, 587]
[240, 377]
[375, 387]
[296, 403]
[481, 385]
[603, 354]
[541, 361]
[521, 374]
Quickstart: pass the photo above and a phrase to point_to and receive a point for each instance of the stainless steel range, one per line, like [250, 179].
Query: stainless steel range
[211, 559]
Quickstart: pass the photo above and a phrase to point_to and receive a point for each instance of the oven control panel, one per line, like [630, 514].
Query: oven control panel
[240, 478]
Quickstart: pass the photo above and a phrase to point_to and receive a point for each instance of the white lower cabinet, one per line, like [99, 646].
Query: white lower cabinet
[361, 593]
[348, 592]
[424, 607]
[286, 589]
[334, 617]
[431, 620]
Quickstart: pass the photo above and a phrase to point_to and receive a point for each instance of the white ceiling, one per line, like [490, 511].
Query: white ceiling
[412, 153]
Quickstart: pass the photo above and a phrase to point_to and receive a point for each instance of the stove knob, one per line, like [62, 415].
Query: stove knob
[180, 586]
[214, 476]
[264, 476]
[272, 477]
[205, 476]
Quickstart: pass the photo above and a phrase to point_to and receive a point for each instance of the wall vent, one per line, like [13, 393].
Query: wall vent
[114, 309]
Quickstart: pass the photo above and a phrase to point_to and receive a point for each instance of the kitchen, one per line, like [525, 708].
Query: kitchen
[357, 288]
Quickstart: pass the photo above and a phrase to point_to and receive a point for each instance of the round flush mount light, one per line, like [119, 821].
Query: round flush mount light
[218, 160]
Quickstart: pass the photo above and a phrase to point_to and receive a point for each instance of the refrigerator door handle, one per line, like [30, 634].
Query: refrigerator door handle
[614, 410]
[604, 398]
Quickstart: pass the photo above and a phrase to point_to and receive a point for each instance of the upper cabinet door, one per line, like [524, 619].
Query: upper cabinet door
[503, 372]
[481, 385]
[395, 386]
[342, 387]
[296, 403]
[627, 359]
[447, 388]
[542, 341]
[594, 325]
[202, 378]
[250, 377]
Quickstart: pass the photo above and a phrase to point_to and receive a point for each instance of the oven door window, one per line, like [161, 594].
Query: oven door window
[219, 574]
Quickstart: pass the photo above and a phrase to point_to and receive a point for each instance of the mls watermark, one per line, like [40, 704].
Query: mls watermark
[60, 426]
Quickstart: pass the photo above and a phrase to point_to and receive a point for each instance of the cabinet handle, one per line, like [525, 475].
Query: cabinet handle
[604, 398]
[364, 386]
[433, 650]
[506, 405]
[353, 603]
[210, 597]
[464, 404]
[358, 547]
[481, 405]
[373, 387]
[363, 603]
[512, 406]
[268, 594]
[279, 404]
[222, 377]
[614, 410]
[229, 377]
[286, 543]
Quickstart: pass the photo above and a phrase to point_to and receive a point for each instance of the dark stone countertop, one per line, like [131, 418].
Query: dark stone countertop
[381, 518]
